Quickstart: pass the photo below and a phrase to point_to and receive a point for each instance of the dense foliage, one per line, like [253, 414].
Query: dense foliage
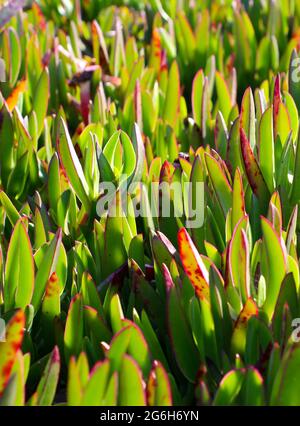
[120, 309]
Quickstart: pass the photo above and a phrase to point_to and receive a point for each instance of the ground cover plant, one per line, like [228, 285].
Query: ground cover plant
[100, 305]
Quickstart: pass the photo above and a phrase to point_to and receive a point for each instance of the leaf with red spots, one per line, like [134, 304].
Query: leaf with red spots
[285, 389]
[193, 264]
[158, 386]
[255, 177]
[238, 341]
[72, 166]
[138, 347]
[14, 392]
[168, 219]
[50, 308]
[221, 135]
[229, 388]
[245, 43]
[9, 348]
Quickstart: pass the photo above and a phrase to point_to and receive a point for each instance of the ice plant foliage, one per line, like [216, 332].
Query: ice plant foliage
[117, 297]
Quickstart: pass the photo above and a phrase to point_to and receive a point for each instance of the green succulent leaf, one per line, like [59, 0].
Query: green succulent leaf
[11, 345]
[72, 166]
[274, 265]
[229, 388]
[182, 341]
[255, 177]
[131, 390]
[73, 334]
[19, 270]
[47, 386]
